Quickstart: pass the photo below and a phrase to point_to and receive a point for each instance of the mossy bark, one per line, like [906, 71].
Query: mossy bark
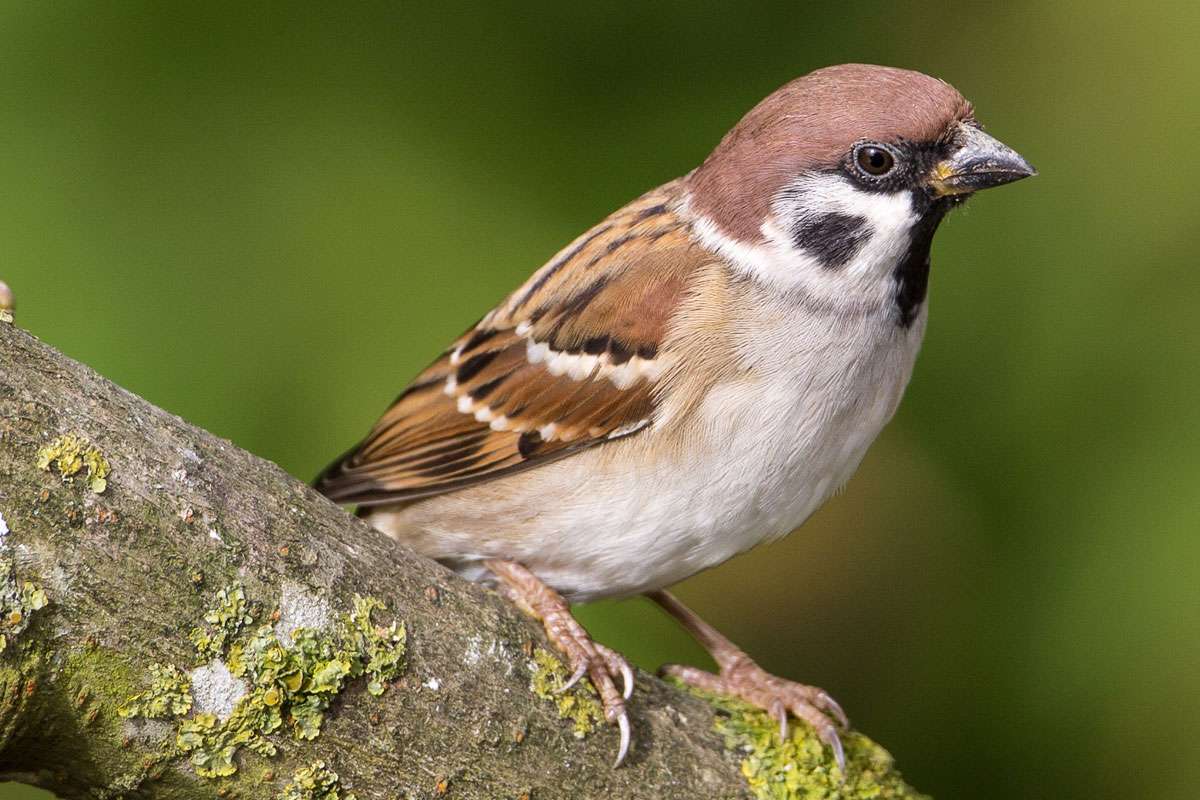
[130, 572]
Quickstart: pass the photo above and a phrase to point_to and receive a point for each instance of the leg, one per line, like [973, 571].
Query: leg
[740, 677]
[600, 664]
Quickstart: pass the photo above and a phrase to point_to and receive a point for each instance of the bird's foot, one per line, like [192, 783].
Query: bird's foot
[745, 680]
[584, 655]
[603, 667]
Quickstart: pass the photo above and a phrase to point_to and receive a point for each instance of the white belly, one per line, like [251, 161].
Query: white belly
[763, 453]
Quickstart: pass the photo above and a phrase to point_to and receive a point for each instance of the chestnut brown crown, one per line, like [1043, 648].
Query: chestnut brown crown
[810, 124]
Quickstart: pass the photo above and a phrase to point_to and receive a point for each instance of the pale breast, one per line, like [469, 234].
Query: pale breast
[814, 393]
[760, 452]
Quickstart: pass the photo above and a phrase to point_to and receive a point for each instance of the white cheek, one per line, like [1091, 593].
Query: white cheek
[867, 274]
[890, 219]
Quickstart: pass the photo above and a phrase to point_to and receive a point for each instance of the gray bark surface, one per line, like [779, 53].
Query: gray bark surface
[128, 572]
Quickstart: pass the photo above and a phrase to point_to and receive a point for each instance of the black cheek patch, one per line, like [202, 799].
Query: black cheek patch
[832, 239]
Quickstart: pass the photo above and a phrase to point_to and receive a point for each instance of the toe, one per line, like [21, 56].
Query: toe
[693, 676]
[617, 665]
[614, 704]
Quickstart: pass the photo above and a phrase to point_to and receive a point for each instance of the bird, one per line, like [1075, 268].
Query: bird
[691, 377]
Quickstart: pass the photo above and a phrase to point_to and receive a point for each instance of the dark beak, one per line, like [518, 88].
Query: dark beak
[980, 162]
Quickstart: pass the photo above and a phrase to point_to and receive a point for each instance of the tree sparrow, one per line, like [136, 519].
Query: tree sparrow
[693, 376]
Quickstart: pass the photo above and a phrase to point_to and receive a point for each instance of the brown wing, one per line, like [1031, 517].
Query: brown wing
[568, 361]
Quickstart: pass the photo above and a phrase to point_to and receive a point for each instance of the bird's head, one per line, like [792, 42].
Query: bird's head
[836, 182]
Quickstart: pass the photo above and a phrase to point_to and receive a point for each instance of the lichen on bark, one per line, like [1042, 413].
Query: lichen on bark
[258, 684]
[169, 695]
[579, 703]
[315, 782]
[799, 766]
[71, 454]
[18, 601]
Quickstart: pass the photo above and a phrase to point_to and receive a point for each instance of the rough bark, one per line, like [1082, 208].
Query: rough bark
[130, 571]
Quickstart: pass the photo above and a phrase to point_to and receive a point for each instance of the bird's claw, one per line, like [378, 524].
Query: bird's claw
[829, 736]
[623, 749]
[831, 706]
[602, 666]
[779, 712]
[579, 672]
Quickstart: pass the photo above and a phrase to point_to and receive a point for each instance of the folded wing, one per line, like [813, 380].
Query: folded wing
[569, 361]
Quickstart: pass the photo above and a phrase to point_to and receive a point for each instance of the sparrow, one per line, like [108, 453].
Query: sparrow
[693, 376]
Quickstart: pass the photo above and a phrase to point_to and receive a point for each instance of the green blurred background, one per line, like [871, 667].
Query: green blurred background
[267, 219]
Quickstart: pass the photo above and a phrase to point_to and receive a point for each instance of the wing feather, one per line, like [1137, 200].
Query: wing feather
[569, 361]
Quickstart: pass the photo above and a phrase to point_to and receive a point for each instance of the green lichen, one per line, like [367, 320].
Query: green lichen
[169, 695]
[290, 684]
[71, 454]
[315, 782]
[18, 601]
[382, 647]
[295, 682]
[801, 768]
[210, 744]
[578, 704]
[223, 622]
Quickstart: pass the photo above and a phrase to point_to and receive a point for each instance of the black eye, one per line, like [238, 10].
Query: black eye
[874, 160]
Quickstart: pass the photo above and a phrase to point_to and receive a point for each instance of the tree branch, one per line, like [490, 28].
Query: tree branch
[116, 542]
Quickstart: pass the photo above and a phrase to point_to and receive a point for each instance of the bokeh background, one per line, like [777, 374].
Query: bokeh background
[268, 219]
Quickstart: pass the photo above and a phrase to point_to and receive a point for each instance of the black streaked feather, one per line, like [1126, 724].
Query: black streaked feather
[559, 264]
[480, 392]
[472, 366]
